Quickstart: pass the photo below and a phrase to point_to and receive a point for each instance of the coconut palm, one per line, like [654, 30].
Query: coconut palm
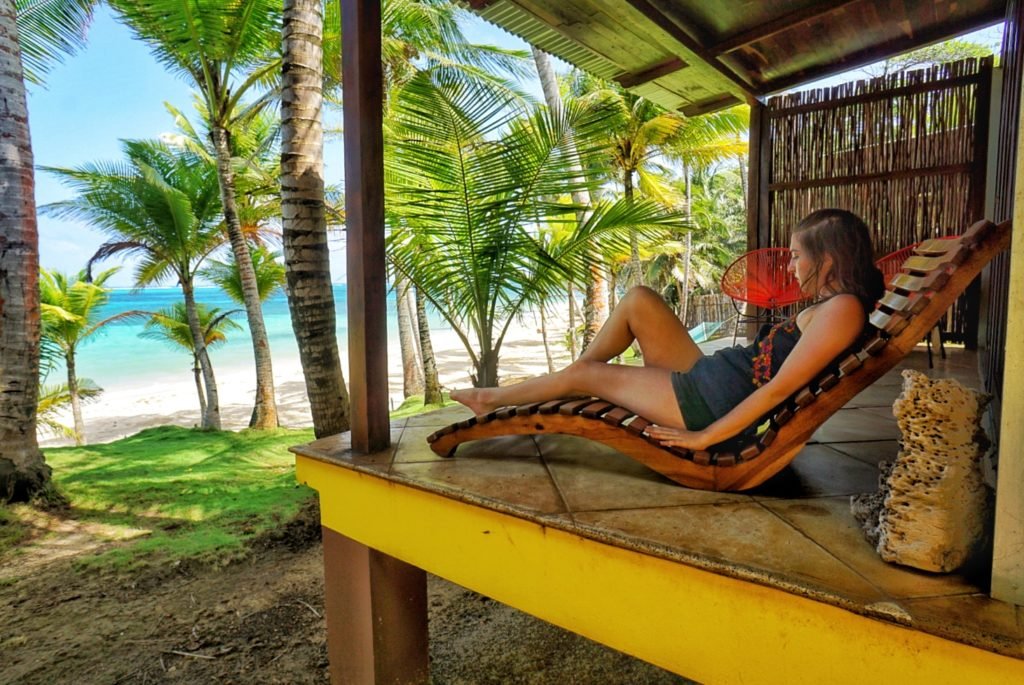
[270, 274]
[70, 307]
[642, 133]
[304, 213]
[171, 325]
[54, 399]
[595, 304]
[228, 50]
[161, 204]
[471, 177]
[32, 37]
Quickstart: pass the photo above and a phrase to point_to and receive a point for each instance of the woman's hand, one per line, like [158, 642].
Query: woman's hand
[678, 437]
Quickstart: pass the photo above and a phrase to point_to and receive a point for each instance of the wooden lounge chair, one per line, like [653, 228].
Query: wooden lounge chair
[931, 279]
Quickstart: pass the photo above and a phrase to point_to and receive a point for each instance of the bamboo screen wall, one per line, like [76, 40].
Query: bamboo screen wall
[905, 151]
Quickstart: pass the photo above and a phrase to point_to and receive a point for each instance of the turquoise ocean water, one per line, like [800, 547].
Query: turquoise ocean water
[116, 356]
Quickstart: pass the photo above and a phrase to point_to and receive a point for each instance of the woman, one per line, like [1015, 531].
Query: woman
[697, 401]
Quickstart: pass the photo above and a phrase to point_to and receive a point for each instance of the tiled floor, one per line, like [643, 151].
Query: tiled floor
[795, 532]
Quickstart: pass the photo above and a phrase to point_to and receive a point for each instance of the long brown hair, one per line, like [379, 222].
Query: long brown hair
[844, 237]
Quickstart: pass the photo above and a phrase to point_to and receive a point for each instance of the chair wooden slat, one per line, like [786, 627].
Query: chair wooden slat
[551, 407]
[849, 365]
[935, 247]
[594, 410]
[895, 301]
[804, 397]
[750, 451]
[616, 416]
[574, 407]
[923, 265]
[527, 409]
[908, 283]
[637, 426]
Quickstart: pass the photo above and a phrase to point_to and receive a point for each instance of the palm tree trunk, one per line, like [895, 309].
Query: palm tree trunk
[635, 277]
[431, 383]
[76, 401]
[544, 338]
[23, 471]
[743, 176]
[265, 408]
[594, 310]
[211, 417]
[572, 323]
[306, 258]
[571, 296]
[684, 295]
[197, 375]
[412, 368]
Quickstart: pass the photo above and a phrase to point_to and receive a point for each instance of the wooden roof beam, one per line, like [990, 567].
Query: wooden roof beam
[482, 4]
[874, 54]
[710, 105]
[669, 66]
[778, 25]
[682, 34]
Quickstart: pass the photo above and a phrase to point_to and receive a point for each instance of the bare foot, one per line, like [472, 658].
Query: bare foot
[474, 398]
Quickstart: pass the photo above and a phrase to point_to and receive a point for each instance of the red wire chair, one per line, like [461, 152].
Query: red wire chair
[761, 278]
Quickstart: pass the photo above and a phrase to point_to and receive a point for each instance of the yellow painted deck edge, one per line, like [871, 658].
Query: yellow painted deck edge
[696, 623]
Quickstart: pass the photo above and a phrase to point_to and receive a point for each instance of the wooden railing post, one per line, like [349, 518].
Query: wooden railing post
[364, 223]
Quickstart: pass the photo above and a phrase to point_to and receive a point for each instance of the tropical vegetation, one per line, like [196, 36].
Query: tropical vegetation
[171, 326]
[473, 176]
[497, 206]
[43, 33]
[162, 206]
[70, 307]
[227, 50]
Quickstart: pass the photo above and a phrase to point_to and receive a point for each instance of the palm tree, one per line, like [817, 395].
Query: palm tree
[303, 216]
[227, 49]
[595, 304]
[70, 307]
[53, 399]
[642, 132]
[472, 180]
[42, 35]
[163, 205]
[171, 325]
[431, 384]
[270, 274]
[408, 338]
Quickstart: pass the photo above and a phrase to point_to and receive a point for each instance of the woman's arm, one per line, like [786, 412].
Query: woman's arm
[834, 327]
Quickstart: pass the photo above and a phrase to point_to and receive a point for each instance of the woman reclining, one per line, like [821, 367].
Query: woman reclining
[694, 400]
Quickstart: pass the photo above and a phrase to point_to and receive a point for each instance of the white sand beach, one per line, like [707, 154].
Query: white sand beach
[124, 410]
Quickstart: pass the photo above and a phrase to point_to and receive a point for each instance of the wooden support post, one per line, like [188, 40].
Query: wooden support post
[364, 221]
[376, 611]
[1008, 543]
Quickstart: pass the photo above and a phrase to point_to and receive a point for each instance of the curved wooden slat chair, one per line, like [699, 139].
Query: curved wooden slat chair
[929, 282]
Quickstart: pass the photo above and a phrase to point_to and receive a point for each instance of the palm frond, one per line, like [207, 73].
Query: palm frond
[49, 31]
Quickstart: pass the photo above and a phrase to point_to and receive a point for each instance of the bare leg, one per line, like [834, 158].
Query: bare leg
[646, 391]
[643, 316]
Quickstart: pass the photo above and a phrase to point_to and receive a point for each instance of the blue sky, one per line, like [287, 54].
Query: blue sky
[114, 89]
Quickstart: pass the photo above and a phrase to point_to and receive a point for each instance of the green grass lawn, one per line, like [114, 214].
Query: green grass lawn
[173, 493]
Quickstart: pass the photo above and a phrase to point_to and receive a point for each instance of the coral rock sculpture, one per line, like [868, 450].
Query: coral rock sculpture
[933, 508]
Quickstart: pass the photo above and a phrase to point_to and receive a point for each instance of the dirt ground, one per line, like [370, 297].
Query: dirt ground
[257, 620]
